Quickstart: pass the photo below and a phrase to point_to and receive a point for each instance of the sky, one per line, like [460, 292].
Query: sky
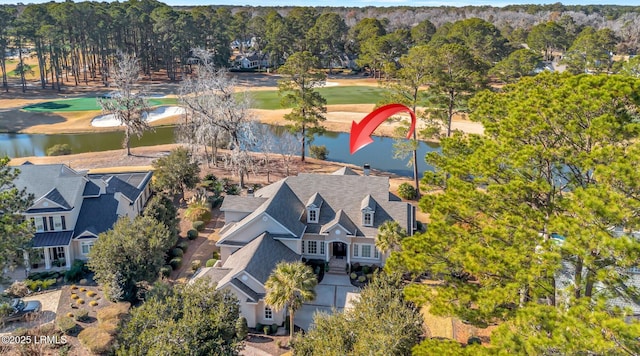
[362, 3]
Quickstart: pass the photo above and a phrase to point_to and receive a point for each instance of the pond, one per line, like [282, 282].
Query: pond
[379, 153]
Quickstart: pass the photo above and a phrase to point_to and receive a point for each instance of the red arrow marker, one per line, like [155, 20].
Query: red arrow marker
[361, 132]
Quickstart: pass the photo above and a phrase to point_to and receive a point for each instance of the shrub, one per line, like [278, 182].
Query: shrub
[113, 312]
[110, 326]
[365, 269]
[356, 267]
[232, 190]
[76, 272]
[406, 191]
[165, 271]
[80, 301]
[96, 339]
[61, 149]
[474, 340]
[195, 265]
[183, 245]
[210, 176]
[369, 276]
[32, 285]
[175, 263]
[82, 315]
[70, 315]
[419, 226]
[83, 282]
[211, 262]
[177, 252]
[353, 276]
[93, 303]
[73, 286]
[362, 279]
[74, 296]
[91, 293]
[215, 255]
[266, 329]
[198, 209]
[274, 328]
[259, 327]
[66, 324]
[192, 234]
[198, 225]
[47, 283]
[319, 152]
[83, 289]
[241, 328]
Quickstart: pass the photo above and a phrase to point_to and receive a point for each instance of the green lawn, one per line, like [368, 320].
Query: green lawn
[85, 104]
[270, 100]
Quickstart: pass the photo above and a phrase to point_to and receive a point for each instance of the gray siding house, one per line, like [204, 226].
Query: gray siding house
[71, 208]
[331, 217]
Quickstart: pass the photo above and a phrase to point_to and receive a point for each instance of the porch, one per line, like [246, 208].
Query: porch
[51, 250]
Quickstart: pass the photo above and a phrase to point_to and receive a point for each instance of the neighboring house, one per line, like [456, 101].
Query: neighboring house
[71, 208]
[566, 276]
[251, 61]
[331, 217]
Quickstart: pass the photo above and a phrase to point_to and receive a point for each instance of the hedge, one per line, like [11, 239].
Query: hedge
[198, 225]
[192, 234]
[175, 263]
[211, 262]
[177, 252]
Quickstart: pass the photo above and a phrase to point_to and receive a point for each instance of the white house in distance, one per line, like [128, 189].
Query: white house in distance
[71, 208]
[331, 217]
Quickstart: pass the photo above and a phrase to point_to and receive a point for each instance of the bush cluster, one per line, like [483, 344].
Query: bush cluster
[177, 252]
[211, 262]
[96, 339]
[406, 191]
[195, 265]
[66, 324]
[165, 271]
[77, 271]
[36, 286]
[82, 315]
[319, 152]
[198, 225]
[192, 234]
[183, 245]
[61, 149]
[175, 263]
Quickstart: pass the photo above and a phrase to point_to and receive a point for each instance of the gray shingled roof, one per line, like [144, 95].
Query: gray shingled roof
[253, 295]
[55, 196]
[241, 204]
[129, 184]
[342, 219]
[91, 189]
[97, 215]
[368, 202]
[41, 180]
[345, 171]
[315, 200]
[257, 258]
[346, 192]
[53, 238]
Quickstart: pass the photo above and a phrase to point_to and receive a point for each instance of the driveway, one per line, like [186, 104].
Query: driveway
[332, 293]
[49, 302]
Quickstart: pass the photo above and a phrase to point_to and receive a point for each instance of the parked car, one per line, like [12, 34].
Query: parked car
[22, 310]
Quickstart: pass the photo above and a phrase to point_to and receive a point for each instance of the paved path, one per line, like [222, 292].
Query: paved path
[331, 294]
[252, 351]
[49, 302]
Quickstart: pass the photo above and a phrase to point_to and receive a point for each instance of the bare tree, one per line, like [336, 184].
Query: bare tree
[265, 144]
[287, 146]
[216, 109]
[130, 108]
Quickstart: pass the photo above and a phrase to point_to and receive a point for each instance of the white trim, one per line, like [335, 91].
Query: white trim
[85, 233]
[332, 227]
[264, 313]
[44, 198]
[244, 225]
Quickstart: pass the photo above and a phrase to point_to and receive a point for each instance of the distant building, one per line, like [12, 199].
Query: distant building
[71, 208]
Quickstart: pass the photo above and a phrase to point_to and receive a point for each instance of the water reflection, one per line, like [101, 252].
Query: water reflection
[379, 154]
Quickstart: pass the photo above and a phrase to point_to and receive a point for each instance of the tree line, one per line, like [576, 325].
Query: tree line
[77, 42]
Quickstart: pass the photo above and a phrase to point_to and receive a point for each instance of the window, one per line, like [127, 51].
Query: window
[312, 215]
[44, 223]
[366, 251]
[64, 223]
[375, 253]
[368, 219]
[355, 250]
[86, 247]
[303, 242]
[268, 313]
[322, 247]
[312, 247]
[39, 226]
[51, 224]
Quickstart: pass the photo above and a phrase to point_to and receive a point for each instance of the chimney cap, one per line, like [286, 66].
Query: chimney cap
[367, 166]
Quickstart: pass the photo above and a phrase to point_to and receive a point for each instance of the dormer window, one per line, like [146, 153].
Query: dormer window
[312, 215]
[367, 218]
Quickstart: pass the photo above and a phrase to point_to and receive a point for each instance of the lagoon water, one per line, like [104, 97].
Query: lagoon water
[379, 153]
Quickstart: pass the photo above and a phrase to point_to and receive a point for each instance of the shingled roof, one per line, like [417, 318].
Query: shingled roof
[55, 182]
[97, 215]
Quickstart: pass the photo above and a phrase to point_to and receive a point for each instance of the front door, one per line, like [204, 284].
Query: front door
[339, 249]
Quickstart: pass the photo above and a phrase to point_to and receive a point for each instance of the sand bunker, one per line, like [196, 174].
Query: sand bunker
[159, 113]
[331, 84]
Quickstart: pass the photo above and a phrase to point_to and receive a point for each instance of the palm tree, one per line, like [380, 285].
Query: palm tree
[390, 234]
[290, 285]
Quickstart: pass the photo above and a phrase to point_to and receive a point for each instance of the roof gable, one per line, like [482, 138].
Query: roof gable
[341, 220]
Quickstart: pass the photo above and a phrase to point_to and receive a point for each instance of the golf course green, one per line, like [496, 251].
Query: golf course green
[84, 104]
[340, 95]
